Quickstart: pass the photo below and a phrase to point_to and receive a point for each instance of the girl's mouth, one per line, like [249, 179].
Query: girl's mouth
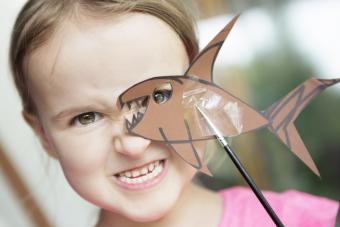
[143, 177]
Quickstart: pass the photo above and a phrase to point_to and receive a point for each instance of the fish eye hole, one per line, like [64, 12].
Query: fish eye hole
[162, 93]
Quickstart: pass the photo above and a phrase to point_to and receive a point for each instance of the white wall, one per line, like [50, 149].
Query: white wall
[43, 176]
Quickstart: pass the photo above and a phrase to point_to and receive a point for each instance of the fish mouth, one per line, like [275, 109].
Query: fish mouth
[136, 110]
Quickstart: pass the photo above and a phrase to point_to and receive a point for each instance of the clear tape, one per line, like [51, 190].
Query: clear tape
[225, 114]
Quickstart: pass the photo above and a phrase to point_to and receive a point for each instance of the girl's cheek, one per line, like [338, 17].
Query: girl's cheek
[83, 153]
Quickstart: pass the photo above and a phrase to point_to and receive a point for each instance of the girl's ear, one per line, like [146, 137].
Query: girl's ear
[35, 124]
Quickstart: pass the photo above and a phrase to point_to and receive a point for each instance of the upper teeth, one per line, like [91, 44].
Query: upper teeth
[141, 174]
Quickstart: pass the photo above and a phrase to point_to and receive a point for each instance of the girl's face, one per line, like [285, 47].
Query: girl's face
[75, 79]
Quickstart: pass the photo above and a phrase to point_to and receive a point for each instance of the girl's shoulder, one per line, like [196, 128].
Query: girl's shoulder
[241, 208]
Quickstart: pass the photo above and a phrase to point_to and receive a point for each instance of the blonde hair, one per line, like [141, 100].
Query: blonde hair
[38, 19]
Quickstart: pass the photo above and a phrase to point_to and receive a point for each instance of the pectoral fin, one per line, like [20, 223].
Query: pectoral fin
[205, 170]
[191, 156]
[188, 153]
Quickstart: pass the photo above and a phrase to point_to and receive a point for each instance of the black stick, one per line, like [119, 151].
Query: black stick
[242, 170]
[252, 184]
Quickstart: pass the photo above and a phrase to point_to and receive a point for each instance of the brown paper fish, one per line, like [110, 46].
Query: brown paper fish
[163, 109]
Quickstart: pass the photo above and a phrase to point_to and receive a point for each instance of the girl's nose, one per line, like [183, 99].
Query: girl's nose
[131, 146]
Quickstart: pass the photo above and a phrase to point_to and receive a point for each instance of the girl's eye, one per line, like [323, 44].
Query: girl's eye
[162, 93]
[86, 118]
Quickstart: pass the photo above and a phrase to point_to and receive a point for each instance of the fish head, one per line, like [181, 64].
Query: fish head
[164, 108]
[151, 105]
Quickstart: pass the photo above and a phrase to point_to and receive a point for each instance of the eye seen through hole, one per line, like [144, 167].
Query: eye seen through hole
[162, 93]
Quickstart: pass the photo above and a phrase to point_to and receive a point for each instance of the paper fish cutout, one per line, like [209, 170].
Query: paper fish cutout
[163, 109]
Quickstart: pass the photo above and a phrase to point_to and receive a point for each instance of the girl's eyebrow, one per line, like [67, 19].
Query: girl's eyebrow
[74, 111]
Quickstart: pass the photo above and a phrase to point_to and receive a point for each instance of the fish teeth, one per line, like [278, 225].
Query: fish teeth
[124, 108]
[139, 102]
[134, 111]
[145, 101]
[128, 116]
[134, 105]
[142, 109]
[134, 120]
[129, 105]
[139, 116]
[128, 124]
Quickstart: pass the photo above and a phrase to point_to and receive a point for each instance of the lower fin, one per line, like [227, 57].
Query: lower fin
[291, 138]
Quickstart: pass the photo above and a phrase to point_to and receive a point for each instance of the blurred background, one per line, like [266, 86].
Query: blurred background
[274, 46]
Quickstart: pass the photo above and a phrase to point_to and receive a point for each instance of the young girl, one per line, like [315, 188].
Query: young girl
[71, 60]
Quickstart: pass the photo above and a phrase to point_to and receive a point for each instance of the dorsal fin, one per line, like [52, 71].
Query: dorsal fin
[203, 64]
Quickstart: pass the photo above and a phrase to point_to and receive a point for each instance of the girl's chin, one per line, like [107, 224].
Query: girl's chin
[132, 216]
[146, 217]
[154, 208]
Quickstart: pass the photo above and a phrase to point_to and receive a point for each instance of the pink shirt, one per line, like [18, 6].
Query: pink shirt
[242, 209]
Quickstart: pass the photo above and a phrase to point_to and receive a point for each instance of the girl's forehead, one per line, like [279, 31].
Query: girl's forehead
[105, 54]
[123, 42]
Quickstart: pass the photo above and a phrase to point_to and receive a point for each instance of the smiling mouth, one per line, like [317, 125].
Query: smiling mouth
[135, 114]
[143, 174]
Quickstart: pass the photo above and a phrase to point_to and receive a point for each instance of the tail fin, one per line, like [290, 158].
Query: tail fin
[282, 114]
